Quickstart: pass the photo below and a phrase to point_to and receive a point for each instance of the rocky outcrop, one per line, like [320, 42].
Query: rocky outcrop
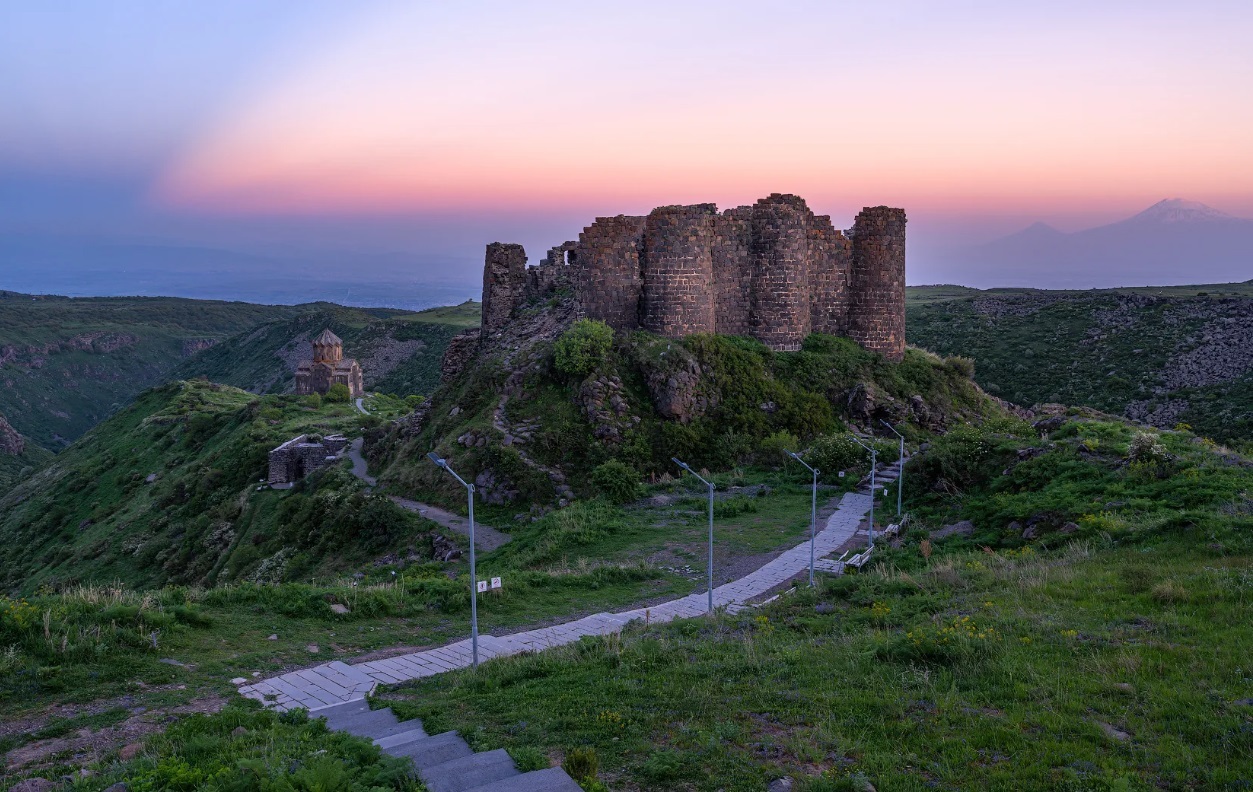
[603, 400]
[461, 350]
[11, 442]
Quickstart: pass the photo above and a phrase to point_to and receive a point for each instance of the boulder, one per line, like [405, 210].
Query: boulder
[1068, 528]
[130, 751]
[33, 785]
[963, 528]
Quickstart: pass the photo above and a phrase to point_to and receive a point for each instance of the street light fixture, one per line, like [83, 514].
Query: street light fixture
[813, 514]
[874, 461]
[900, 473]
[710, 485]
[474, 584]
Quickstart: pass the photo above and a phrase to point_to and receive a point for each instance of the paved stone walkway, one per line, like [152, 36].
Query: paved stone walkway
[337, 682]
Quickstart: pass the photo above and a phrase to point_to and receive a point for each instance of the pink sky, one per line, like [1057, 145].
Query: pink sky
[973, 108]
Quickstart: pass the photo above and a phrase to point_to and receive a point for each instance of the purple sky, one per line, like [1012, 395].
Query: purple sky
[341, 130]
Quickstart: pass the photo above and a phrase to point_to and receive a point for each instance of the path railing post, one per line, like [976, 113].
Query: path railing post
[874, 463]
[474, 583]
[900, 469]
[710, 485]
[813, 513]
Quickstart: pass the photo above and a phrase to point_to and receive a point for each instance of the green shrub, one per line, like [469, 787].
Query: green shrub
[833, 453]
[617, 481]
[773, 450]
[582, 763]
[962, 366]
[583, 347]
[338, 393]
[313, 401]
[415, 400]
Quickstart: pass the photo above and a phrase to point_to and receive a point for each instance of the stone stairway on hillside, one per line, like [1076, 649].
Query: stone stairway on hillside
[444, 762]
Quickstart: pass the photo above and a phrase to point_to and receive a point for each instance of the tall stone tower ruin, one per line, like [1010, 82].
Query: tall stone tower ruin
[774, 271]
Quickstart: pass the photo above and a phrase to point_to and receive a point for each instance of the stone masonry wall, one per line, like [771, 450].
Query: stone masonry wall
[831, 259]
[504, 284]
[876, 316]
[608, 279]
[773, 270]
[732, 233]
[678, 295]
[779, 310]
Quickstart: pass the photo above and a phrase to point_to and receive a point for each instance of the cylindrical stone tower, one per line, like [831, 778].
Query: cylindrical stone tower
[678, 295]
[779, 311]
[876, 316]
[504, 282]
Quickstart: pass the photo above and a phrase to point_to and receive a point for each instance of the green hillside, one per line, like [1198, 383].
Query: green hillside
[718, 402]
[399, 351]
[95, 515]
[1107, 653]
[1161, 355]
[68, 362]
[19, 457]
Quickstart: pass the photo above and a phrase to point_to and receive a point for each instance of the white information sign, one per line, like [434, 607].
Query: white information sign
[495, 582]
[482, 586]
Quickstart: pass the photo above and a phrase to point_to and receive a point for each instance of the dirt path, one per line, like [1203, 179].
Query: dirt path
[485, 537]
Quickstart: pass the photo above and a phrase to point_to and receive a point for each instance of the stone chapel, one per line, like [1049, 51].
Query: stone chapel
[328, 367]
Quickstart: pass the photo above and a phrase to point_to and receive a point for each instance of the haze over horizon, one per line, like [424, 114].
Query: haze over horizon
[387, 142]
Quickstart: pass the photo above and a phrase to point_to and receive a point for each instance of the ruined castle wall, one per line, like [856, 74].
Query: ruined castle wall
[678, 295]
[877, 307]
[504, 284]
[732, 270]
[606, 271]
[830, 260]
[779, 309]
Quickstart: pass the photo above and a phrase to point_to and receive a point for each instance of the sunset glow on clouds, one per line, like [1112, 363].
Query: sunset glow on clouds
[970, 107]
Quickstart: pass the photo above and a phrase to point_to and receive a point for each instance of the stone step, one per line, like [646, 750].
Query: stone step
[400, 738]
[470, 771]
[358, 723]
[432, 750]
[554, 779]
[340, 711]
[383, 731]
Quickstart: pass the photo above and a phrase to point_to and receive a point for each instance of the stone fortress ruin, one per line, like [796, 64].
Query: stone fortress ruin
[774, 271]
[329, 367]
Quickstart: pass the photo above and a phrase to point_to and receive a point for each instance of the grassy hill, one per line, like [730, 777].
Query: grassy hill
[19, 457]
[67, 363]
[166, 492]
[535, 427]
[1162, 355]
[400, 351]
[1104, 654]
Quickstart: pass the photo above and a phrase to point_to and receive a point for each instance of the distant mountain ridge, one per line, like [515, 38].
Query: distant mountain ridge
[1172, 241]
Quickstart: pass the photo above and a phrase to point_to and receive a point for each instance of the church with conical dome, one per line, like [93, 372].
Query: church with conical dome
[328, 367]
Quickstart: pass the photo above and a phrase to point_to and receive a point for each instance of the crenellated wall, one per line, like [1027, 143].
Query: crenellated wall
[606, 273]
[773, 270]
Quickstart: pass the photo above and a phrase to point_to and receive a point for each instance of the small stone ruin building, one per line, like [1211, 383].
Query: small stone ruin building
[328, 367]
[302, 455]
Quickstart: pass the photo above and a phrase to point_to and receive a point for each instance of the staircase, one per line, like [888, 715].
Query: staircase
[444, 762]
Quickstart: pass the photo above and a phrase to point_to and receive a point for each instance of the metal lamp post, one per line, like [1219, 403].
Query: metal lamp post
[900, 473]
[474, 583]
[710, 485]
[813, 513]
[874, 461]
